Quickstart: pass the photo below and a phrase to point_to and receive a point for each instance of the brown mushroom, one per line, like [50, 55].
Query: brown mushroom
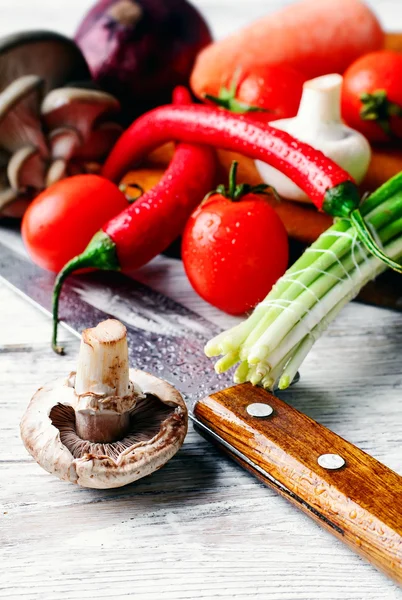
[79, 113]
[19, 115]
[104, 426]
[26, 169]
[79, 108]
[22, 144]
[63, 144]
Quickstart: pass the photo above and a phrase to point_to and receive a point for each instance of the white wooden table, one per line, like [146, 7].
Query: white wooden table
[201, 527]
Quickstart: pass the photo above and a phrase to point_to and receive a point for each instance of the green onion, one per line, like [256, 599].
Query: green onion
[275, 339]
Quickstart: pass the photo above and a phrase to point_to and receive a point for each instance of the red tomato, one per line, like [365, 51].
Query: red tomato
[276, 89]
[372, 95]
[234, 251]
[60, 222]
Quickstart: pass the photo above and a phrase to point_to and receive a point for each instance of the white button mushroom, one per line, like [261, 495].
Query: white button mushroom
[104, 426]
[318, 123]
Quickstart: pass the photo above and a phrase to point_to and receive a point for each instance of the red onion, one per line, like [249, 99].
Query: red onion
[139, 50]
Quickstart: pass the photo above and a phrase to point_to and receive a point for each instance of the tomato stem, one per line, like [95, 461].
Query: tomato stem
[236, 191]
[376, 107]
[233, 180]
[227, 98]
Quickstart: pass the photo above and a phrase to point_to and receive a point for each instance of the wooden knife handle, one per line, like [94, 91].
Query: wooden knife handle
[360, 502]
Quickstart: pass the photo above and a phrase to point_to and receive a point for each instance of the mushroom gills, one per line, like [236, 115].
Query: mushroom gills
[145, 422]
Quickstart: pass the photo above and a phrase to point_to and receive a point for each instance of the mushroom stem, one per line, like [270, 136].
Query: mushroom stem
[105, 396]
[103, 361]
[320, 106]
[103, 427]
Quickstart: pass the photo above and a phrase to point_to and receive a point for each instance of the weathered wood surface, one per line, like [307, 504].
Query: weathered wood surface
[201, 527]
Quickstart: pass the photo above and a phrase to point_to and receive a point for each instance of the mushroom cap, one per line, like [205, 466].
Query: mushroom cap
[159, 426]
[53, 57]
[19, 115]
[80, 108]
[26, 168]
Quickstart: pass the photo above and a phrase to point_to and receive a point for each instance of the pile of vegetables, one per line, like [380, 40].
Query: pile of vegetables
[259, 101]
[329, 186]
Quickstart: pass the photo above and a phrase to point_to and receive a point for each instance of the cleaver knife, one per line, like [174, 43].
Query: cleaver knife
[341, 487]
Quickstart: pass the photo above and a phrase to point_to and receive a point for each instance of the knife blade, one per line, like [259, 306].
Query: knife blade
[359, 500]
[162, 335]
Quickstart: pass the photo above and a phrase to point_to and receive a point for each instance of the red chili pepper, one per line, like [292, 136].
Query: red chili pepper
[152, 222]
[310, 169]
[329, 187]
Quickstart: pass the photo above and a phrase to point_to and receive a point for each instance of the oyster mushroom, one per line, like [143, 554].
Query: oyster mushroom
[7, 194]
[79, 108]
[34, 154]
[26, 169]
[19, 115]
[63, 143]
[104, 426]
[54, 58]
[22, 142]
[31, 64]
[82, 111]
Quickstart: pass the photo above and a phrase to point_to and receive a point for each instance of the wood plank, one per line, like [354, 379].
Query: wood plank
[201, 527]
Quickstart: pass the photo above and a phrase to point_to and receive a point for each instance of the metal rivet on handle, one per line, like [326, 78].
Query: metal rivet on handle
[331, 461]
[259, 410]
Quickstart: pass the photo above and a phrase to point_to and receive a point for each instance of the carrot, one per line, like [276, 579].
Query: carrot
[393, 41]
[313, 36]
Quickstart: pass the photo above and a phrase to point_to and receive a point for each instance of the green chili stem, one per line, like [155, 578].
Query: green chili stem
[100, 254]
